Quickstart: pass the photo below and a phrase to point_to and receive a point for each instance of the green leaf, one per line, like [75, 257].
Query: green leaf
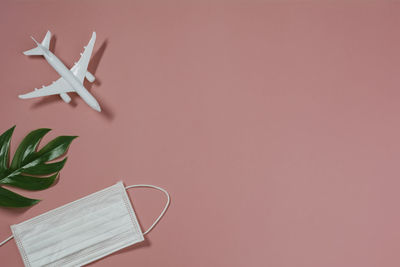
[45, 169]
[11, 199]
[55, 148]
[28, 164]
[27, 147]
[5, 139]
[29, 182]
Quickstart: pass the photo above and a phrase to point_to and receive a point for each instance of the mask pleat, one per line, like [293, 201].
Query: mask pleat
[75, 225]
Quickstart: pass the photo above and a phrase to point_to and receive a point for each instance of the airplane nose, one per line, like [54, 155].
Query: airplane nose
[97, 108]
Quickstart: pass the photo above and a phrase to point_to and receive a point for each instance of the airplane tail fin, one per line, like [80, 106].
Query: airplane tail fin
[46, 40]
[39, 49]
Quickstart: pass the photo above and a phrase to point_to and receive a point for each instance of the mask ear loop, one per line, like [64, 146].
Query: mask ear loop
[5, 241]
[163, 211]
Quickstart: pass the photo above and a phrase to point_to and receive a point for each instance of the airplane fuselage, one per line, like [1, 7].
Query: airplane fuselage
[71, 79]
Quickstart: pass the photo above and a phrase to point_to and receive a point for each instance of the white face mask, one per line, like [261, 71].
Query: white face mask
[82, 231]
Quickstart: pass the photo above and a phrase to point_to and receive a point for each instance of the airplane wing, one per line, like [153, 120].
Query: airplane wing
[58, 87]
[80, 67]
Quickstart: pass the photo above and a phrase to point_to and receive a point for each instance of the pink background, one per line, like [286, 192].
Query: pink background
[274, 125]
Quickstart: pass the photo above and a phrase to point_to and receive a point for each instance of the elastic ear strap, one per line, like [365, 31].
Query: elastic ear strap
[166, 205]
[5, 241]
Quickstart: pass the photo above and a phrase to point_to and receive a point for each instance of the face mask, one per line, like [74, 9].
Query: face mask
[82, 231]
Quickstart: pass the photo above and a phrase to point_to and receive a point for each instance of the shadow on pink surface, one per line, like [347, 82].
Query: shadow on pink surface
[144, 243]
[15, 211]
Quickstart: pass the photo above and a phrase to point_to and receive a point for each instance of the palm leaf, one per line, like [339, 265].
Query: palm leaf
[29, 168]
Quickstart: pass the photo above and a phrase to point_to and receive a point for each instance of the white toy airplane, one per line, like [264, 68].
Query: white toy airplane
[70, 80]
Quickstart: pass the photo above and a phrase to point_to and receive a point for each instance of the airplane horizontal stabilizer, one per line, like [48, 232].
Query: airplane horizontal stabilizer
[34, 51]
[40, 49]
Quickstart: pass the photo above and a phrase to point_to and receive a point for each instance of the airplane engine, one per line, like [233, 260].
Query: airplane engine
[89, 77]
[65, 97]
